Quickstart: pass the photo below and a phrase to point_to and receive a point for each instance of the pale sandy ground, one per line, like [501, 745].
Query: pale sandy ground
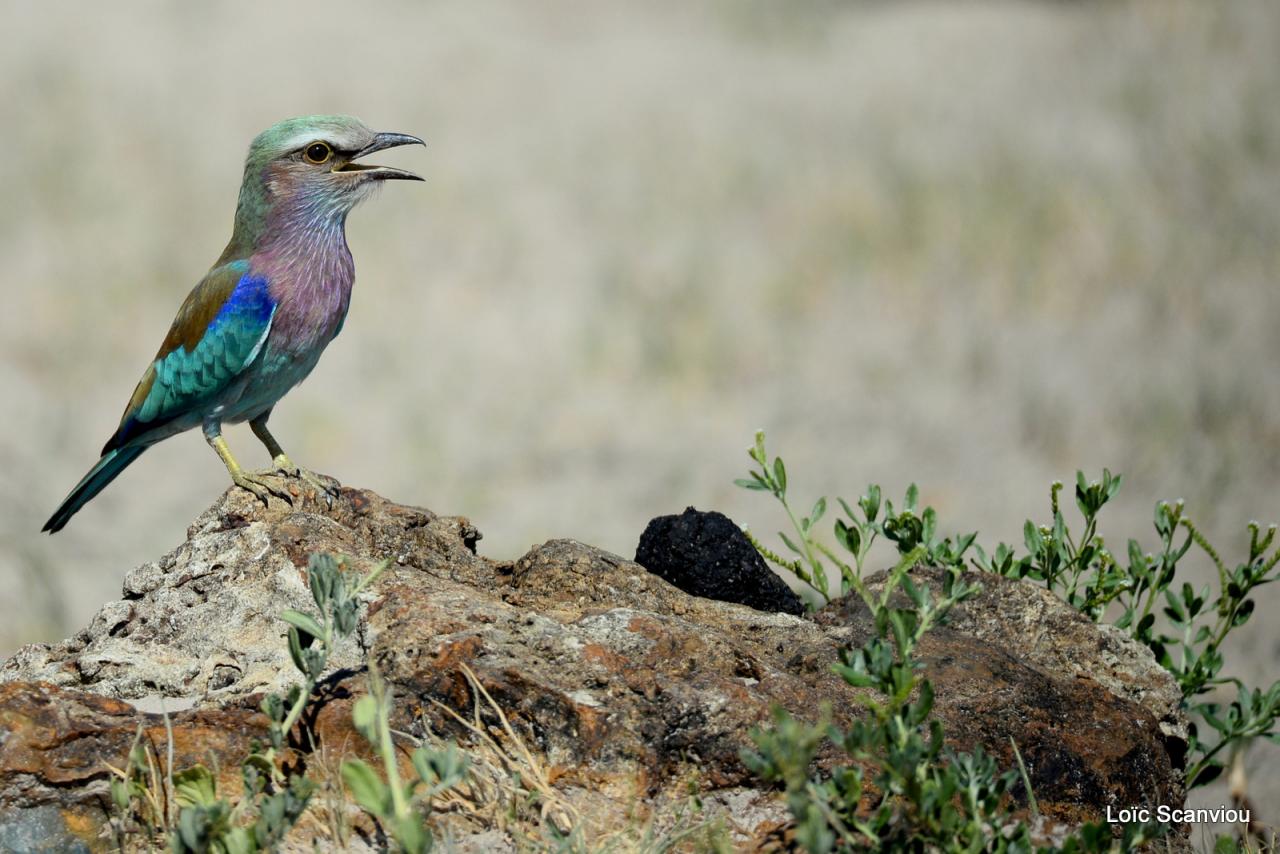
[974, 245]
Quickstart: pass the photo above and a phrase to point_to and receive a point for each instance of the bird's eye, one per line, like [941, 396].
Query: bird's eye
[317, 152]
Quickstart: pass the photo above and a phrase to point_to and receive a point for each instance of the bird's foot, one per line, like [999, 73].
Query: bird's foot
[327, 487]
[285, 466]
[260, 486]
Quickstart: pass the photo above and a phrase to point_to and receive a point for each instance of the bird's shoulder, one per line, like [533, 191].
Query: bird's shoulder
[217, 332]
[230, 291]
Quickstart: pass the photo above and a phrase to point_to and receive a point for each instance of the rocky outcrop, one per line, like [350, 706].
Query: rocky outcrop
[1093, 715]
[619, 690]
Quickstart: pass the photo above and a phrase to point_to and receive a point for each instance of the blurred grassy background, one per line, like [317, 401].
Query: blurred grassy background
[973, 245]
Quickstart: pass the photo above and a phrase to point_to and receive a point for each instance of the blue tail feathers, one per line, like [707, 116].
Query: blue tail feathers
[111, 464]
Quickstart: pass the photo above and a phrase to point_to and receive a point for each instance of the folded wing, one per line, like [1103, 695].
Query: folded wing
[217, 334]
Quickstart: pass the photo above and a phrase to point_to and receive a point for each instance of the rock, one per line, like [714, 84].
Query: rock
[706, 554]
[37, 830]
[582, 675]
[1095, 718]
[204, 620]
[55, 745]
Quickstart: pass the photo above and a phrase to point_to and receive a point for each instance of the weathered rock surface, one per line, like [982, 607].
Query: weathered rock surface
[623, 687]
[55, 745]
[1092, 713]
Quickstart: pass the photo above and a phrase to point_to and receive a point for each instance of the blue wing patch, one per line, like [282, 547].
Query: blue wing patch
[184, 379]
[230, 342]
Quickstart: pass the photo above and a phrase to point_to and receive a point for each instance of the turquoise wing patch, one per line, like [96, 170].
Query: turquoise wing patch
[184, 378]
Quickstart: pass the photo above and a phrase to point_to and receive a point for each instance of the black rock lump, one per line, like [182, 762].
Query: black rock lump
[707, 555]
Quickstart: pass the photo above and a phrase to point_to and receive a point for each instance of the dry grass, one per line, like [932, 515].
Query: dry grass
[973, 245]
[508, 786]
[145, 825]
[511, 788]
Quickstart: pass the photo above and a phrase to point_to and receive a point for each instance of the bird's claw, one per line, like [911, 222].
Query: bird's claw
[282, 465]
[260, 486]
[326, 487]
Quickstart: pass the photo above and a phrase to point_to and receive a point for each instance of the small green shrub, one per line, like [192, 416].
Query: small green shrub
[907, 529]
[922, 794]
[1188, 642]
[209, 823]
[397, 805]
[928, 795]
[186, 806]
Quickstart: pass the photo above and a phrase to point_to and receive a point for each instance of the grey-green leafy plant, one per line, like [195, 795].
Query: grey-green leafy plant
[209, 823]
[1188, 642]
[398, 805]
[922, 795]
[1081, 571]
[915, 782]
[908, 529]
[138, 794]
[312, 640]
[271, 802]
[1078, 567]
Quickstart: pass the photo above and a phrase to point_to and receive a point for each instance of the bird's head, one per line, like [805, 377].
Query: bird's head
[310, 164]
[320, 153]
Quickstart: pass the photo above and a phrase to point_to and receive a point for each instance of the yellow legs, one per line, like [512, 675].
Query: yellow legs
[262, 484]
[255, 483]
[281, 462]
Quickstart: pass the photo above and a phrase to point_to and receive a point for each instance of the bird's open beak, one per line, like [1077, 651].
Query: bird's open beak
[381, 141]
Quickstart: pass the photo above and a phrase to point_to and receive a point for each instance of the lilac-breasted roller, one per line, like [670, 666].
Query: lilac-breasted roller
[256, 324]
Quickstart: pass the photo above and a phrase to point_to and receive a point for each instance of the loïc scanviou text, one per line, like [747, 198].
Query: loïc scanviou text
[1177, 815]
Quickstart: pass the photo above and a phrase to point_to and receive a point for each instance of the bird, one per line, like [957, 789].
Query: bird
[256, 324]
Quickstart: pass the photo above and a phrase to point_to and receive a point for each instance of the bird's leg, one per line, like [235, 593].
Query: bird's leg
[254, 483]
[280, 460]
